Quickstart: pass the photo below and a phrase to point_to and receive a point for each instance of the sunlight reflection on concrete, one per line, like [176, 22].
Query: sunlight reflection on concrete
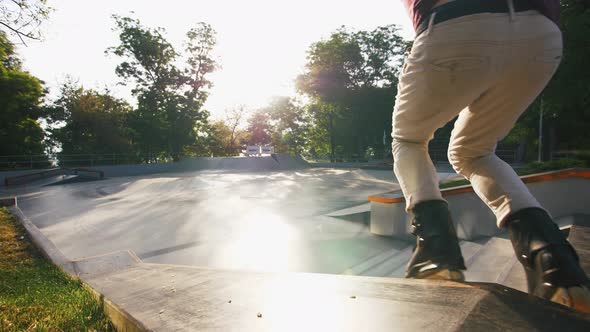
[262, 241]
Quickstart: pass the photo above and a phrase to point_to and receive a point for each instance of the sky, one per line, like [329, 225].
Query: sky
[261, 44]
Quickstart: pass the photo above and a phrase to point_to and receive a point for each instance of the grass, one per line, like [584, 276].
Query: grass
[532, 168]
[35, 295]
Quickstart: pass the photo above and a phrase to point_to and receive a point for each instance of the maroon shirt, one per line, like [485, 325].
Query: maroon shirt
[418, 9]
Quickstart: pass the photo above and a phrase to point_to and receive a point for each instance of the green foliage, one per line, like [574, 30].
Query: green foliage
[287, 123]
[352, 80]
[566, 100]
[20, 105]
[22, 18]
[169, 114]
[35, 295]
[95, 122]
[259, 129]
[553, 165]
[223, 139]
[350, 60]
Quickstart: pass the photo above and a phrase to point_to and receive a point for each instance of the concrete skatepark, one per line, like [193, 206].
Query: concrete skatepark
[149, 239]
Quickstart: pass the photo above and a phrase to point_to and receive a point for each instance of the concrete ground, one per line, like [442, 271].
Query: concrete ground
[230, 226]
[272, 221]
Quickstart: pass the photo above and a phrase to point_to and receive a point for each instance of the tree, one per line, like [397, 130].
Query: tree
[351, 79]
[21, 95]
[259, 129]
[169, 113]
[566, 99]
[22, 18]
[199, 46]
[287, 124]
[233, 120]
[93, 122]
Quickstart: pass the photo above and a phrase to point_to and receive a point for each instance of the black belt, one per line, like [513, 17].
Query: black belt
[460, 8]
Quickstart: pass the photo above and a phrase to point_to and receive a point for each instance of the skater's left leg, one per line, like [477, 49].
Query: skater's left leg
[550, 262]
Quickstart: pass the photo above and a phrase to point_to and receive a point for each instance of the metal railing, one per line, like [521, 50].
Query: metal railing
[24, 162]
[91, 160]
[436, 154]
[557, 155]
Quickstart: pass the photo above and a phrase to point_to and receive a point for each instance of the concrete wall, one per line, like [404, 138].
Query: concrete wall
[251, 164]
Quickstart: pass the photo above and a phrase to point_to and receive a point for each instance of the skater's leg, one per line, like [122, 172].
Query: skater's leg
[439, 80]
[550, 262]
[491, 117]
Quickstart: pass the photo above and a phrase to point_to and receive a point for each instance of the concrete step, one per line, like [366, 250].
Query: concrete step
[393, 266]
[392, 263]
[382, 264]
[468, 248]
[491, 263]
[516, 278]
[580, 238]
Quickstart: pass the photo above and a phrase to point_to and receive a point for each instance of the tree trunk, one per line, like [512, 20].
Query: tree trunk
[330, 129]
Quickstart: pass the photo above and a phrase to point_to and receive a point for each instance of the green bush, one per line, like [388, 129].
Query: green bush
[553, 165]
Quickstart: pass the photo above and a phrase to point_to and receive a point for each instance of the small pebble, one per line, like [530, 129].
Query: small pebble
[229, 301]
[22, 237]
[353, 297]
[259, 315]
[161, 311]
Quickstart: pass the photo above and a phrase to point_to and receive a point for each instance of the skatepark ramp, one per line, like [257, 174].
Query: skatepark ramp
[562, 193]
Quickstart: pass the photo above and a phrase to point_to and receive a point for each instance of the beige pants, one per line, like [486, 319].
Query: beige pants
[486, 68]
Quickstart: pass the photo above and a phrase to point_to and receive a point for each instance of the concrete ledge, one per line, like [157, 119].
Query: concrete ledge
[122, 320]
[86, 173]
[8, 201]
[25, 178]
[47, 248]
[562, 193]
[81, 173]
[186, 298]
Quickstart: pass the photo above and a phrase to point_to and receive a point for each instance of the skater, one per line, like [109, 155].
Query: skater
[485, 61]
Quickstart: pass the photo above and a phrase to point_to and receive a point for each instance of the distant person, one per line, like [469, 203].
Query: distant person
[485, 61]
